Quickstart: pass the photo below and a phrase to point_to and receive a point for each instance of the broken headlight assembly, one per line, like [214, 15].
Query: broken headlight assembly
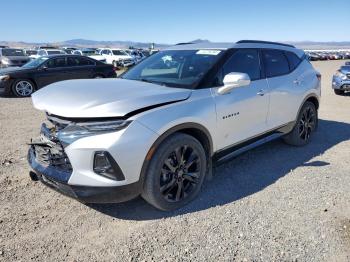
[75, 131]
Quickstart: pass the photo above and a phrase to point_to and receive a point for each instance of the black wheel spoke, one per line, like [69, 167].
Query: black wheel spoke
[169, 165]
[179, 190]
[191, 160]
[168, 187]
[192, 177]
[180, 173]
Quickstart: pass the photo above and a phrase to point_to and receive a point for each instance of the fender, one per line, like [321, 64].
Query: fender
[172, 130]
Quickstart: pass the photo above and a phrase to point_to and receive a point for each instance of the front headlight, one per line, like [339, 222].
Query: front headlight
[4, 78]
[73, 132]
[5, 61]
[341, 75]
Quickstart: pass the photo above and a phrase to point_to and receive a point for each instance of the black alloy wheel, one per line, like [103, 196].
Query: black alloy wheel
[180, 174]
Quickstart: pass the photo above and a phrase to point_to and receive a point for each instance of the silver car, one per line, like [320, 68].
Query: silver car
[341, 80]
[12, 57]
[158, 130]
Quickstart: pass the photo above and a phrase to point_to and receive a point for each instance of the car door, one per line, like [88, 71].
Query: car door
[242, 113]
[80, 67]
[53, 70]
[286, 85]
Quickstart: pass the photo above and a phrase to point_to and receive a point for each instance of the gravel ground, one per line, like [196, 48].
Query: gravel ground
[274, 203]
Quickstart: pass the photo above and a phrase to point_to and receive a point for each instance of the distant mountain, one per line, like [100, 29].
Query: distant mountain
[127, 44]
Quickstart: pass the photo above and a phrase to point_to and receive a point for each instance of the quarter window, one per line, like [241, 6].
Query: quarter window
[275, 62]
[293, 60]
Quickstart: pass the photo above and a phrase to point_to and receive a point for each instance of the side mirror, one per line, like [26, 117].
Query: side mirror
[234, 80]
[44, 67]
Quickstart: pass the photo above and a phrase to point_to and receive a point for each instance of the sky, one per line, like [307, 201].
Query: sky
[168, 22]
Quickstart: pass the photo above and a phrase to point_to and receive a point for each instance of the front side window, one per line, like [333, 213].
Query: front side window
[244, 61]
[275, 62]
[175, 68]
[56, 62]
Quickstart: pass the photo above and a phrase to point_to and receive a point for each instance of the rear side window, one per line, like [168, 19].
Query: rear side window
[275, 62]
[293, 60]
[244, 61]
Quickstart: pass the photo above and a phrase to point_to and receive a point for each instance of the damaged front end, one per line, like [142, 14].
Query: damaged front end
[49, 161]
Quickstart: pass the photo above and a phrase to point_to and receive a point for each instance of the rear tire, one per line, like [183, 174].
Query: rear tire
[175, 173]
[304, 127]
[23, 88]
[338, 92]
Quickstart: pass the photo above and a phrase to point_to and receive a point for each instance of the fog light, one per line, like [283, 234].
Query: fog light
[105, 165]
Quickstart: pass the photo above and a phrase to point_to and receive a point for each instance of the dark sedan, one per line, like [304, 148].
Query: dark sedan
[23, 81]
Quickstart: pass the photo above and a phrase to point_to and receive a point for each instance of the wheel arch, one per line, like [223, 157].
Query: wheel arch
[196, 130]
[309, 98]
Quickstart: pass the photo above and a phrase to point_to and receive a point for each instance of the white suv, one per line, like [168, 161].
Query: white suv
[157, 131]
[117, 57]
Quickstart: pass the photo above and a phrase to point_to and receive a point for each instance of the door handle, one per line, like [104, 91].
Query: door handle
[261, 93]
[297, 82]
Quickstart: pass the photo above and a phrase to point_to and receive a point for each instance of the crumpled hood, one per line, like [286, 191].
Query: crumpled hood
[103, 97]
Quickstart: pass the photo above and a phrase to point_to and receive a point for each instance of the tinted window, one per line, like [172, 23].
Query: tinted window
[293, 60]
[78, 61]
[56, 62]
[12, 52]
[42, 52]
[244, 61]
[275, 63]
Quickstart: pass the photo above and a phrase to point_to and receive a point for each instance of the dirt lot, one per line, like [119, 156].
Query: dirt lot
[273, 203]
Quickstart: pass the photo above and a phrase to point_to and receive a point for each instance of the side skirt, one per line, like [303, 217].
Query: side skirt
[227, 154]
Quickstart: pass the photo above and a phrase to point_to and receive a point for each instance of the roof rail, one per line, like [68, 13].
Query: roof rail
[262, 42]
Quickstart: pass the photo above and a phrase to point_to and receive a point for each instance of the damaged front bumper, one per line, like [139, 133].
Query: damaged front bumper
[51, 166]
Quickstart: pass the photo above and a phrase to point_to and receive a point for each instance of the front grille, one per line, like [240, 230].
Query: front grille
[49, 151]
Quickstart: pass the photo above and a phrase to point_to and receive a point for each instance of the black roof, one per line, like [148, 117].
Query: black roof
[262, 42]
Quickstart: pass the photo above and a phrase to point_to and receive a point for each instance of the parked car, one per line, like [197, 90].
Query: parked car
[117, 57]
[30, 52]
[23, 81]
[12, 57]
[4, 46]
[69, 50]
[47, 52]
[341, 80]
[137, 55]
[158, 130]
[90, 52]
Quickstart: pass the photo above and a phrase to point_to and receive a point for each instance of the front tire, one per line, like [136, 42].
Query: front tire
[304, 127]
[23, 88]
[175, 173]
[338, 92]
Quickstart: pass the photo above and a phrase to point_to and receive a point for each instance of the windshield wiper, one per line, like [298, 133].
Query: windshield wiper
[151, 81]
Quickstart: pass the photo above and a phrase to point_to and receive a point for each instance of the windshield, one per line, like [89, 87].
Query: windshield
[54, 52]
[119, 52]
[175, 68]
[12, 52]
[36, 62]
